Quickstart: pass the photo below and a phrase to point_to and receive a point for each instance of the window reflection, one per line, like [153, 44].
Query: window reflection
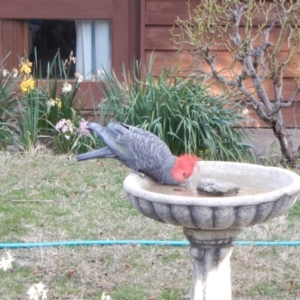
[93, 49]
[89, 40]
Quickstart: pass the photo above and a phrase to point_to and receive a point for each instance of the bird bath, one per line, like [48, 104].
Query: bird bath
[211, 223]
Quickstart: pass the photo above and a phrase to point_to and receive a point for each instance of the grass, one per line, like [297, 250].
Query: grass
[54, 198]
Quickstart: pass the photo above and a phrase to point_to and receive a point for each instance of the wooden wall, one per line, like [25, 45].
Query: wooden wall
[158, 17]
[124, 16]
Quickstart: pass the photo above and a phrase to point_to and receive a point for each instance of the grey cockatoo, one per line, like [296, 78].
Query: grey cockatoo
[141, 151]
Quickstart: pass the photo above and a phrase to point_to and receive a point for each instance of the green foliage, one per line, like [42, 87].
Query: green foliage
[129, 293]
[64, 104]
[72, 138]
[29, 119]
[52, 198]
[295, 210]
[170, 294]
[31, 107]
[8, 102]
[180, 110]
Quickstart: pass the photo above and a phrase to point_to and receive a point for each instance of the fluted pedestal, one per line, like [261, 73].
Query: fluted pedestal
[212, 223]
[211, 251]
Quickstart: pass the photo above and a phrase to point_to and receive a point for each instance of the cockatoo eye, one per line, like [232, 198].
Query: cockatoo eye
[184, 174]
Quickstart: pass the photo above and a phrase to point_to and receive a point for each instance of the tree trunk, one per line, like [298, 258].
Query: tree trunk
[285, 142]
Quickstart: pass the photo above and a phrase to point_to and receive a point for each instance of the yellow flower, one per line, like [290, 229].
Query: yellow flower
[27, 85]
[25, 69]
[25, 66]
[58, 102]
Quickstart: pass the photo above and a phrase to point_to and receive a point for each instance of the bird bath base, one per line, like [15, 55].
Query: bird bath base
[211, 251]
[211, 223]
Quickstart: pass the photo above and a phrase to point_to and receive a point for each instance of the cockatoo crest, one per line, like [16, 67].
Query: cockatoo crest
[184, 167]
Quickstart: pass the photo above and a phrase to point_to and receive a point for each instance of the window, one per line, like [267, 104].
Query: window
[46, 37]
[89, 41]
[121, 16]
[93, 50]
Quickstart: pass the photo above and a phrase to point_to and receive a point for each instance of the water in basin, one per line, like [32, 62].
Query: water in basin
[245, 189]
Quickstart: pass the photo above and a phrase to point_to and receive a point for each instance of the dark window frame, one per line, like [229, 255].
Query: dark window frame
[123, 14]
[14, 12]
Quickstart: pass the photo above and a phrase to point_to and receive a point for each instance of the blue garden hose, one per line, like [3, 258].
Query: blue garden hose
[137, 242]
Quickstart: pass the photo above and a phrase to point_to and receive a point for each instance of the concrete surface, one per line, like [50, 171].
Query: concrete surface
[266, 143]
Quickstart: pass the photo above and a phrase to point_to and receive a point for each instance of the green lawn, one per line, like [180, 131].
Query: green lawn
[54, 198]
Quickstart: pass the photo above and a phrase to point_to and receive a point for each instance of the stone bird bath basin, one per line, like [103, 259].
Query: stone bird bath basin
[211, 223]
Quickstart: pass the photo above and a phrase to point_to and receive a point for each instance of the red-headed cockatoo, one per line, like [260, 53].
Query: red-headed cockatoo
[143, 152]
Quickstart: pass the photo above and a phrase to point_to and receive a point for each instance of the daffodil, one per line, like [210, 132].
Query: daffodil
[67, 87]
[27, 85]
[25, 66]
[72, 58]
[100, 73]
[14, 73]
[5, 72]
[58, 102]
[105, 297]
[5, 263]
[50, 102]
[25, 69]
[79, 76]
[37, 291]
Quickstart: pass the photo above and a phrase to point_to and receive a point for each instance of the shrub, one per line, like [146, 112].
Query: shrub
[180, 110]
[37, 108]
[8, 101]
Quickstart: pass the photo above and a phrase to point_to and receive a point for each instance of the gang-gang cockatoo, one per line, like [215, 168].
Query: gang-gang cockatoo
[143, 152]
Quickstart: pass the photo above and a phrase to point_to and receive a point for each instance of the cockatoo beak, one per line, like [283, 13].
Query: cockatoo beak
[192, 182]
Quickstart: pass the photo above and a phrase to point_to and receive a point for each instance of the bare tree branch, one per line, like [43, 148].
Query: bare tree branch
[260, 54]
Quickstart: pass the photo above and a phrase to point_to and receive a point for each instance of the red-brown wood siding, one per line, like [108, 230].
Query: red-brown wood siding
[160, 16]
[124, 15]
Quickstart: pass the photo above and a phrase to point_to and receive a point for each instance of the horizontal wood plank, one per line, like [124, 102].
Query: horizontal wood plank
[223, 62]
[56, 9]
[291, 117]
[160, 38]
[165, 12]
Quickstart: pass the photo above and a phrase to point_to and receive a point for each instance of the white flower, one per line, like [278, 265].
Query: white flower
[5, 72]
[79, 76]
[36, 291]
[5, 263]
[245, 112]
[67, 87]
[50, 102]
[32, 292]
[100, 73]
[72, 58]
[14, 73]
[105, 297]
